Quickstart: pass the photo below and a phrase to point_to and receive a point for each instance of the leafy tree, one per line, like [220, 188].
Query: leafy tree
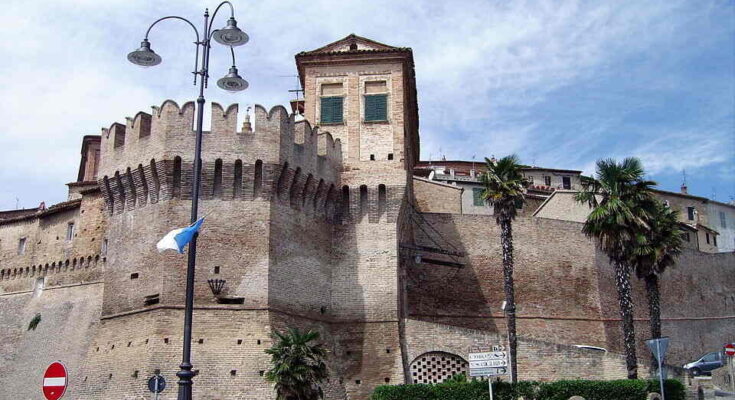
[504, 186]
[297, 365]
[659, 250]
[620, 199]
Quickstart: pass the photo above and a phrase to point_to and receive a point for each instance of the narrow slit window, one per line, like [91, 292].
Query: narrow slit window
[177, 177]
[21, 246]
[237, 180]
[217, 183]
[346, 200]
[381, 199]
[258, 179]
[69, 231]
[363, 200]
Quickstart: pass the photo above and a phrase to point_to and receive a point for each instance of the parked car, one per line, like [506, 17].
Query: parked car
[706, 363]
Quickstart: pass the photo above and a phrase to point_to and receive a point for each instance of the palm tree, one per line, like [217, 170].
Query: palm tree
[504, 185]
[660, 250]
[619, 197]
[297, 365]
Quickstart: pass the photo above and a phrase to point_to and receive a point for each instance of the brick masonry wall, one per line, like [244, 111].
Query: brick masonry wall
[69, 323]
[564, 291]
[437, 197]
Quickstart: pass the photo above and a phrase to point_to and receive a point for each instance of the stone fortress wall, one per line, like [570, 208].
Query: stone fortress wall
[308, 234]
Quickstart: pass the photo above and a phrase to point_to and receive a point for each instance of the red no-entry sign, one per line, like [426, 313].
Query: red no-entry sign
[54, 381]
[730, 349]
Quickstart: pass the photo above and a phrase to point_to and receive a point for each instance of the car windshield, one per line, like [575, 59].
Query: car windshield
[709, 357]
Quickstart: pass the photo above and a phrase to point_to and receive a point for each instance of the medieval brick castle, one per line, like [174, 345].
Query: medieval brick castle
[326, 222]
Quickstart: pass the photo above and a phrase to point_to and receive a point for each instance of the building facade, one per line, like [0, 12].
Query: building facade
[318, 224]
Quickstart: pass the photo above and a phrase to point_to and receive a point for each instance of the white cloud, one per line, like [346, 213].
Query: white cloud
[482, 68]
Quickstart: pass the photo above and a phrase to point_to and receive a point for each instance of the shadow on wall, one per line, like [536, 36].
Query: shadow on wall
[440, 291]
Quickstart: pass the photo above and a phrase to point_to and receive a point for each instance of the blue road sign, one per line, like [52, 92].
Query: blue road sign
[156, 384]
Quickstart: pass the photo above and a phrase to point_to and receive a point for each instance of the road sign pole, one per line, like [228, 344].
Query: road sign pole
[490, 386]
[732, 377]
[660, 370]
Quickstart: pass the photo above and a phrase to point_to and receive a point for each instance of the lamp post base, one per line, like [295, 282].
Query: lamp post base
[185, 381]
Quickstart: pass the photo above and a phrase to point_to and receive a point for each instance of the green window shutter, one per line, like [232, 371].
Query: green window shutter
[331, 110]
[477, 197]
[376, 107]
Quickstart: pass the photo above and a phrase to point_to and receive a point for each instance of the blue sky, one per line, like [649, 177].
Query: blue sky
[560, 83]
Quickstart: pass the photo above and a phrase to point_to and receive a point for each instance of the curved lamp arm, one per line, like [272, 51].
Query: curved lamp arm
[196, 32]
[214, 14]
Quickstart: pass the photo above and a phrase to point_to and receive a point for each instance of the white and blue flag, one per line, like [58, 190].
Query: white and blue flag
[177, 239]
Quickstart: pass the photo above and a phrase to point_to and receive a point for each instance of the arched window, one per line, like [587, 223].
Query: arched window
[345, 201]
[381, 199]
[258, 179]
[363, 200]
[217, 183]
[237, 180]
[437, 367]
[177, 177]
[155, 182]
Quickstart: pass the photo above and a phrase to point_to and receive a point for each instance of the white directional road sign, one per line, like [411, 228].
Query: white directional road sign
[488, 371]
[489, 363]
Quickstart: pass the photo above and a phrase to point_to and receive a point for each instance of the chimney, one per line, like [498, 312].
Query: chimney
[684, 189]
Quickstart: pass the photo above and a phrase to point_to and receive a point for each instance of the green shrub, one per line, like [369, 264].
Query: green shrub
[559, 390]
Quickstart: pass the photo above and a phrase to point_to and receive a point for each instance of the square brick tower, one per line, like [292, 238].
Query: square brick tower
[364, 94]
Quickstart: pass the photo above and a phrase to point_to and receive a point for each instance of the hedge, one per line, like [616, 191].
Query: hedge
[559, 390]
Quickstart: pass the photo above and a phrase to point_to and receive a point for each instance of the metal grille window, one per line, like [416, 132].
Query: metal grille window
[547, 180]
[331, 111]
[376, 107]
[690, 213]
[723, 221]
[437, 367]
[477, 198]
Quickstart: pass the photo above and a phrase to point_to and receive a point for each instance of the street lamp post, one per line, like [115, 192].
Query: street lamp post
[231, 36]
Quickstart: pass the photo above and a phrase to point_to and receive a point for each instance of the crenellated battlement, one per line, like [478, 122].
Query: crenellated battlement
[169, 131]
[150, 159]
